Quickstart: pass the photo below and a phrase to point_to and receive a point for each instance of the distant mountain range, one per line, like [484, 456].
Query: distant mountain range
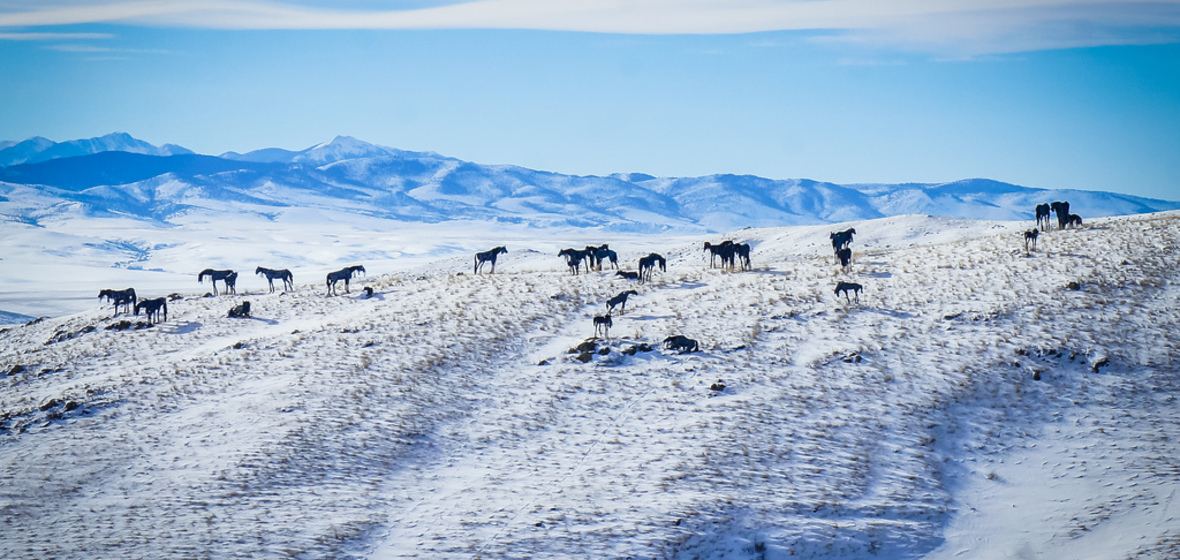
[118, 175]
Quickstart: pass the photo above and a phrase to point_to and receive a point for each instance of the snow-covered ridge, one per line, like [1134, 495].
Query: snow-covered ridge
[358, 178]
[980, 401]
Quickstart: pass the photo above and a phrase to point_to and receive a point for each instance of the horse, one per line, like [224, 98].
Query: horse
[602, 254]
[153, 307]
[574, 258]
[1073, 220]
[724, 250]
[619, 301]
[1031, 236]
[849, 287]
[215, 275]
[488, 256]
[681, 344]
[119, 297]
[602, 322]
[841, 239]
[231, 283]
[845, 257]
[628, 274]
[648, 264]
[344, 274]
[1043, 211]
[1062, 211]
[271, 274]
[742, 251]
[240, 311]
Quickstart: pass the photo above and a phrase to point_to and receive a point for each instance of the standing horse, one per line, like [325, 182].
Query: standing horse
[842, 239]
[488, 257]
[215, 275]
[1031, 236]
[849, 287]
[724, 250]
[153, 307]
[603, 254]
[845, 256]
[742, 251]
[1043, 212]
[574, 258]
[648, 264]
[1062, 211]
[271, 274]
[602, 322]
[344, 274]
[120, 297]
[619, 301]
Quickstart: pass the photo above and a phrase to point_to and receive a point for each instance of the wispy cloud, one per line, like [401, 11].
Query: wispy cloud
[980, 26]
[53, 36]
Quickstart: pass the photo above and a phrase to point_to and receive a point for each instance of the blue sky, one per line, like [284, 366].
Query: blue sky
[1042, 93]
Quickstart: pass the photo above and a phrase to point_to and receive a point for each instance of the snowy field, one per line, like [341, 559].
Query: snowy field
[978, 402]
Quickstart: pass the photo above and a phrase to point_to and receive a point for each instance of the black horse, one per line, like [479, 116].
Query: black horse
[725, 250]
[240, 311]
[602, 254]
[488, 256]
[120, 297]
[1062, 211]
[628, 274]
[222, 275]
[648, 264]
[845, 257]
[619, 301]
[741, 251]
[153, 307]
[849, 287]
[574, 258]
[271, 274]
[344, 274]
[1073, 220]
[602, 322]
[681, 344]
[1030, 236]
[842, 239]
[1043, 211]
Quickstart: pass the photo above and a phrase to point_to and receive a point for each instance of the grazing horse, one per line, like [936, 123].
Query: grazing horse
[153, 307]
[1062, 211]
[271, 274]
[845, 257]
[681, 344]
[1073, 220]
[602, 322]
[344, 274]
[648, 264]
[603, 254]
[120, 297]
[841, 239]
[628, 274]
[742, 251]
[1031, 236]
[574, 258]
[1043, 211]
[216, 275]
[619, 301]
[724, 250]
[488, 256]
[849, 287]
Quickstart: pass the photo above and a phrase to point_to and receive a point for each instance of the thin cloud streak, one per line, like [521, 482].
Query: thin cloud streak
[972, 26]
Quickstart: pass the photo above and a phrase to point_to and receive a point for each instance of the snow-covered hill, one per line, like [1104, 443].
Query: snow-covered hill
[117, 175]
[980, 401]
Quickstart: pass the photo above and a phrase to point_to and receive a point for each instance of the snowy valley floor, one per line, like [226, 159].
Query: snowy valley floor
[974, 404]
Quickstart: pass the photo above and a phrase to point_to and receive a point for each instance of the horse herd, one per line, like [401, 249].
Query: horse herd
[734, 256]
[1043, 212]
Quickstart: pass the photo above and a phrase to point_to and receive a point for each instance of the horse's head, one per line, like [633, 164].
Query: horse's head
[258, 270]
[106, 294]
[357, 268]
